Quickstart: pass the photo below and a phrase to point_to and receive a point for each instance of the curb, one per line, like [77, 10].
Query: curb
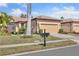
[19, 54]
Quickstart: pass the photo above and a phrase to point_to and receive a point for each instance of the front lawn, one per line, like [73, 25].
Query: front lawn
[6, 40]
[6, 51]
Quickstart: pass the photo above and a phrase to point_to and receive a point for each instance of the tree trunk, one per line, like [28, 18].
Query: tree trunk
[28, 31]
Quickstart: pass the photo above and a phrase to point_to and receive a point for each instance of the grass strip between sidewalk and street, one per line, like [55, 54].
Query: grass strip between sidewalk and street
[7, 51]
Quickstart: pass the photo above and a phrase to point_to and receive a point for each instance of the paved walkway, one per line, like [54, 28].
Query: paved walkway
[25, 44]
[66, 36]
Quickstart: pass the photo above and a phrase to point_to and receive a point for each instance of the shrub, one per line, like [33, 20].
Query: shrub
[4, 33]
[14, 33]
[60, 30]
[40, 31]
[21, 30]
[75, 32]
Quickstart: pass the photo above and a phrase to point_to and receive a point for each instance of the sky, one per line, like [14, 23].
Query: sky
[57, 10]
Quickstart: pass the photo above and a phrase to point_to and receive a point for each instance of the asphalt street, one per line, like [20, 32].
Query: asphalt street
[69, 51]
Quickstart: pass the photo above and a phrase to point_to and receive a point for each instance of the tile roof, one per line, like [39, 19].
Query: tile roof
[47, 17]
[19, 19]
[71, 20]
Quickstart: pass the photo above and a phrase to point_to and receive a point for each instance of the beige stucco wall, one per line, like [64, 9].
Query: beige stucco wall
[25, 25]
[16, 29]
[67, 27]
[50, 26]
[76, 27]
[19, 25]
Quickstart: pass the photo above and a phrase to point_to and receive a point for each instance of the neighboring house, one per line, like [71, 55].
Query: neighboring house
[17, 23]
[51, 24]
[70, 25]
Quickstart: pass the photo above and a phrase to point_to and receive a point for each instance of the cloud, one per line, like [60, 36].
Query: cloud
[69, 8]
[3, 4]
[66, 12]
[17, 12]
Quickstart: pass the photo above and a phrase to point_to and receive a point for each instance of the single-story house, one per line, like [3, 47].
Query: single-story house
[70, 25]
[52, 25]
[16, 24]
[39, 23]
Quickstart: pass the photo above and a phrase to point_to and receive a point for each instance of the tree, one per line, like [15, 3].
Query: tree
[4, 20]
[62, 17]
[23, 15]
[28, 31]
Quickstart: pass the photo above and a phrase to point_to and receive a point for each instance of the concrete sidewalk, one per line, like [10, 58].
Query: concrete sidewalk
[62, 35]
[25, 44]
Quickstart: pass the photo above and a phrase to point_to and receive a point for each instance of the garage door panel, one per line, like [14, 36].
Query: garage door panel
[51, 28]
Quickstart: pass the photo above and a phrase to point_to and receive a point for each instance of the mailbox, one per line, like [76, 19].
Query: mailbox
[44, 34]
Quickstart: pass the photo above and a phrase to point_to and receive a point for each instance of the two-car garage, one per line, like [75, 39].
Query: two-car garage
[51, 28]
[45, 22]
[70, 26]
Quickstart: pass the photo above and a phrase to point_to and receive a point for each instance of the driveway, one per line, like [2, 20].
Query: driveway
[69, 51]
[66, 36]
[62, 35]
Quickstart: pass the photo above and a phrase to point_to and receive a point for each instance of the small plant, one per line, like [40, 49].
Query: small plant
[40, 31]
[21, 30]
[75, 32]
[60, 30]
[14, 33]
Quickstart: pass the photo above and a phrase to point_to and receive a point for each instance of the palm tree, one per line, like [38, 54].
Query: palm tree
[23, 15]
[4, 20]
[61, 17]
[28, 31]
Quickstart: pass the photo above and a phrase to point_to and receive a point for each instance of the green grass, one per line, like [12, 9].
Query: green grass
[6, 51]
[6, 40]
